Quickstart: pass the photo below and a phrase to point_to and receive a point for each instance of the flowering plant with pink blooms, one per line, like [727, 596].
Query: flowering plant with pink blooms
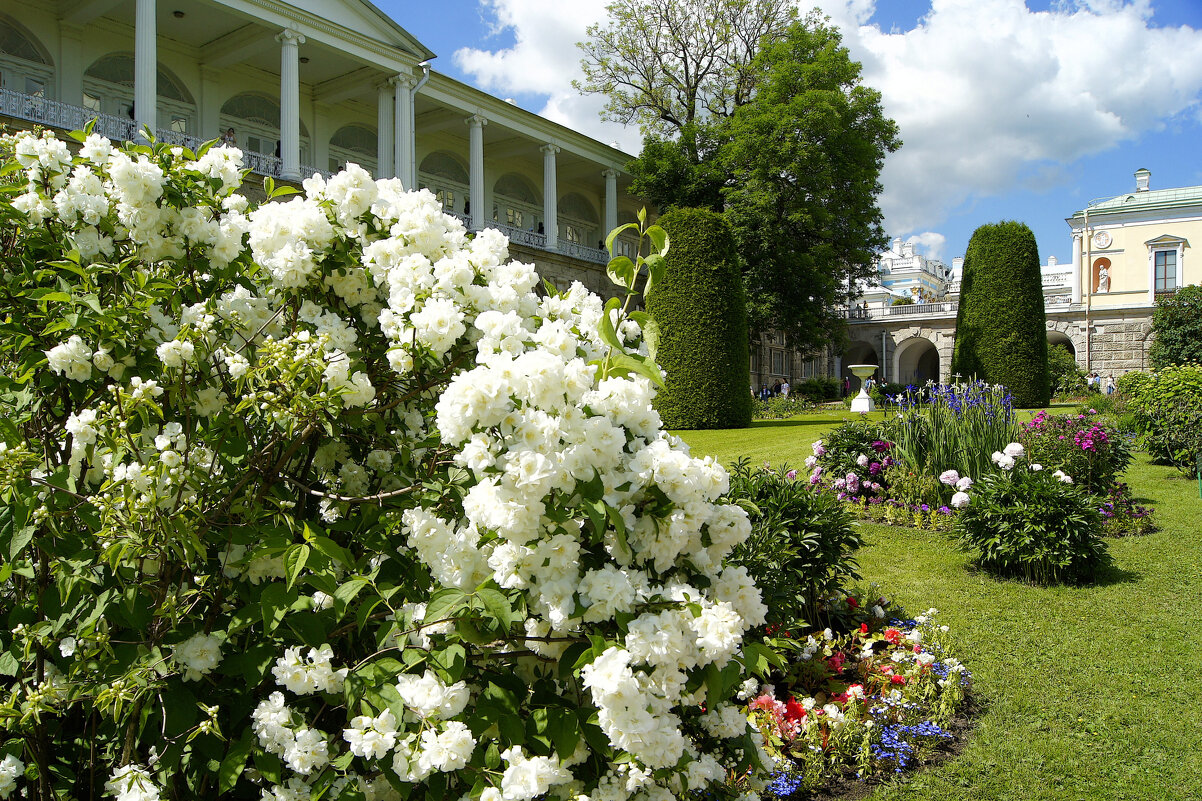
[1079, 444]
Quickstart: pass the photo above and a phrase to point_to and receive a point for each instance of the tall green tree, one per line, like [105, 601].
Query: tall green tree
[779, 135]
[1001, 325]
[1177, 329]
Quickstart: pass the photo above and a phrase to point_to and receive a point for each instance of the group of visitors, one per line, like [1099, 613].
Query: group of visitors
[1095, 383]
[780, 388]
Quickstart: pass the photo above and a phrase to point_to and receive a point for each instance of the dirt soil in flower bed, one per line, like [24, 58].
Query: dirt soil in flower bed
[850, 788]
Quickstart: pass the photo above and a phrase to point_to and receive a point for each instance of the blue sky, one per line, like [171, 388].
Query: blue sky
[1008, 110]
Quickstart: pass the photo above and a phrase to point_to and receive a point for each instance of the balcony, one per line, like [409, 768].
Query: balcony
[66, 117]
[905, 311]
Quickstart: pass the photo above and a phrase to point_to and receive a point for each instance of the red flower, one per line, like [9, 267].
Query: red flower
[897, 679]
[853, 603]
[893, 636]
[835, 663]
[863, 629]
[794, 710]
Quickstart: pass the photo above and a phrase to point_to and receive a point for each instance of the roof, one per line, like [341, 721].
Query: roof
[1147, 201]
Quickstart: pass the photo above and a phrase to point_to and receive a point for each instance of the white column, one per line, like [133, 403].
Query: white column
[550, 197]
[384, 137]
[146, 72]
[290, 42]
[476, 123]
[611, 202]
[403, 153]
[210, 104]
[1076, 281]
[1151, 277]
[322, 128]
[70, 65]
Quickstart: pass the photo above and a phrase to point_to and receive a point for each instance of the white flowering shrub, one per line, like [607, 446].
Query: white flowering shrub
[321, 498]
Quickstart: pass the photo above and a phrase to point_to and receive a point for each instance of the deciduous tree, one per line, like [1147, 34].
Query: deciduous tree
[776, 132]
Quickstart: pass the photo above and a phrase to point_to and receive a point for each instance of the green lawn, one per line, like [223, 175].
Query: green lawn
[1089, 693]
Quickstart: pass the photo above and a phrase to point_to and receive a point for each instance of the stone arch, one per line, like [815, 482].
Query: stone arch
[442, 164]
[858, 351]
[26, 65]
[19, 42]
[354, 142]
[446, 176]
[516, 202]
[1068, 333]
[1058, 338]
[917, 360]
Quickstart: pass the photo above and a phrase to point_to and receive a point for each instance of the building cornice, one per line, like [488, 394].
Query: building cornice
[395, 56]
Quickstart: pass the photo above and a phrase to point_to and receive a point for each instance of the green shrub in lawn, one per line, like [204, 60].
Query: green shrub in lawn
[1033, 525]
[780, 407]
[802, 543]
[1001, 330]
[1167, 406]
[839, 452]
[701, 311]
[818, 390]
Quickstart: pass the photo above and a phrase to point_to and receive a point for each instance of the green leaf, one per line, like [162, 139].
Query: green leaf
[615, 233]
[294, 562]
[275, 602]
[563, 729]
[621, 271]
[347, 591]
[651, 337]
[9, 666]
[659, 240]
[638, 364]
[497, 605]
[608, 335]
[443, 604]
[335, 552]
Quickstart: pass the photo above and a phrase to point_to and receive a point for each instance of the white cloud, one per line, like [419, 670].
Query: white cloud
[989, 96]
[929, 243]
[543, 61]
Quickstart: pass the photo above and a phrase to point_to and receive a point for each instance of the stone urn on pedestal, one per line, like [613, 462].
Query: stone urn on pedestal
[862, 402]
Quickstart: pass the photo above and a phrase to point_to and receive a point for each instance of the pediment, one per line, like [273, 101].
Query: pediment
[1165, 240]
[365, 19]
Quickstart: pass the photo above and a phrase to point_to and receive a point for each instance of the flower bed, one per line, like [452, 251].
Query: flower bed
[876, 701]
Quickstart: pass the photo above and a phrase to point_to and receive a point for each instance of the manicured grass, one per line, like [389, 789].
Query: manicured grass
[1089, 693]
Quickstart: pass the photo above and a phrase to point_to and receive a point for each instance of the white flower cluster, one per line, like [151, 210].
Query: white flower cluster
[198, 655]
[11, 769]
[529, 417]
[131, 783]
[307, 673]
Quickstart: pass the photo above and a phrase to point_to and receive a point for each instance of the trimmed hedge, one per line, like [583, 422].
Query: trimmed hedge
[1001, 329]
[701, 311]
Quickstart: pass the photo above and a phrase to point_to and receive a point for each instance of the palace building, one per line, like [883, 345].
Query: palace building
[306, 86]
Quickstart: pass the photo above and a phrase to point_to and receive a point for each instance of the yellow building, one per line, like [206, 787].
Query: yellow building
[1135, 247]
[1129, 251]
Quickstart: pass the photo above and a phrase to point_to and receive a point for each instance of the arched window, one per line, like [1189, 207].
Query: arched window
[255, 119]
[445, 176]
[355, 143]
[578, 220]
[25, 66]
[108, 88]
[516, 203]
